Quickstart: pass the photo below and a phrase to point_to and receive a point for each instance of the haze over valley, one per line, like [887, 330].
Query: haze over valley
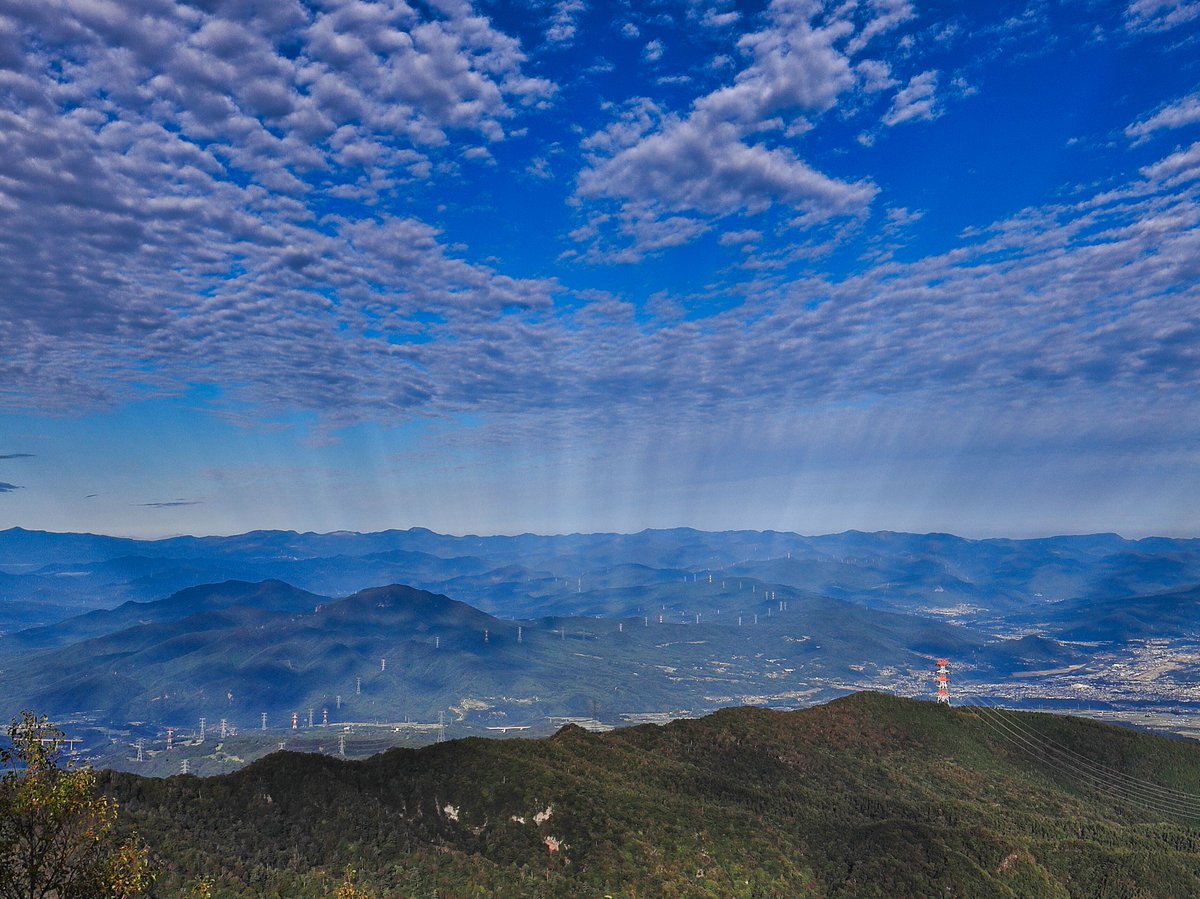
[381, 637]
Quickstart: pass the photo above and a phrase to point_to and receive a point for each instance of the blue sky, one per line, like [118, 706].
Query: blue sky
[560, 266]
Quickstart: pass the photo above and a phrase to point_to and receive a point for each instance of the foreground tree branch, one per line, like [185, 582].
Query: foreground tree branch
[57, 837]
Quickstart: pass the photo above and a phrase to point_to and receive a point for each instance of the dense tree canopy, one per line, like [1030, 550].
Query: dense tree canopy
[869, 796]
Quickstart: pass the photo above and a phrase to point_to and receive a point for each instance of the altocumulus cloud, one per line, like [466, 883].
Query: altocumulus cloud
[166, 172]
[668, 175]
[207, 195]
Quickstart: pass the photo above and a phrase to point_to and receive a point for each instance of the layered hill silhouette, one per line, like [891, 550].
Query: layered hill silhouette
[867, 796]
[527, 626]
[237, 650]
[46, 577]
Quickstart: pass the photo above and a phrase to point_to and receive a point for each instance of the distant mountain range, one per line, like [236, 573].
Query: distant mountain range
[499, 630]
[46, 577]
[868, 796]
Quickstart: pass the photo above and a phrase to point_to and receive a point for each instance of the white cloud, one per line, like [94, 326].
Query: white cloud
[916, 101]
[653, 51]
[1160, 15]
[1185, 111]
[887, 15]
[715, 159]
[705, 165]
[714, 19]
[539, 167]
[734, 238]
[564, 21]
[875, 75]
[1183, 165]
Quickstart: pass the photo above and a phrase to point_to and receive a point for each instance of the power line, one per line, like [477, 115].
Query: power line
[1113, 782]
[1111, 786]
[1167, 792]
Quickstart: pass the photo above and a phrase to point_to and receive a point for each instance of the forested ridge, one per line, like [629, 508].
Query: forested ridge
[866, 796]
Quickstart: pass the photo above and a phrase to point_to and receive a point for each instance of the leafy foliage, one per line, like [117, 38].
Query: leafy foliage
[57, 838]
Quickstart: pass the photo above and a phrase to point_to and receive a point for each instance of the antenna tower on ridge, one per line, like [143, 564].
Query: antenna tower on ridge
[943, 682]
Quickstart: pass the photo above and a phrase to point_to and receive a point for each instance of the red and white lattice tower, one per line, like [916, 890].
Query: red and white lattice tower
[295, 720]
[170, 738]
[943, 681]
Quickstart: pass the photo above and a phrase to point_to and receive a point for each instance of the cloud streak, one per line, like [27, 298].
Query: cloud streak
[1183, 112]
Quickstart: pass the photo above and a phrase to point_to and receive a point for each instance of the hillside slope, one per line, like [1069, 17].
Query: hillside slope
[868, 796]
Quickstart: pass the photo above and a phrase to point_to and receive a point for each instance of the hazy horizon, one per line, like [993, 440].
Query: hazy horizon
[680, 527]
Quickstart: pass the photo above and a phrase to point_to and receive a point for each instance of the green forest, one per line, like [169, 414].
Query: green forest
[867, 796]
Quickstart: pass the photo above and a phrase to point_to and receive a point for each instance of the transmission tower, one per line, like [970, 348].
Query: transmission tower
[264, 720]
[183, 767]
[943, 682]
[141, 747]
[441, 727]
[203, 723]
